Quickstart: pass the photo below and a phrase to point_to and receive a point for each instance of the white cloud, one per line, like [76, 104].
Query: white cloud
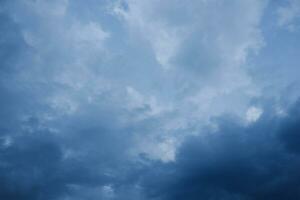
[88, 35]
[163, 38]
[202, 47]
[231, 29]
[5, 141]
[56, 8]
[253, 114]
[163, 149]
[147, 106]
[288, 14]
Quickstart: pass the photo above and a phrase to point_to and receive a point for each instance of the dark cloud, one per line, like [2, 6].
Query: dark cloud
[260, 161]
[36, 163]
[290, 131]
[31, 168]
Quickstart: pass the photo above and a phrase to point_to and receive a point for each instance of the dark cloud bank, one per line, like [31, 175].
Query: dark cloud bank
[260, 161]
[257, 162]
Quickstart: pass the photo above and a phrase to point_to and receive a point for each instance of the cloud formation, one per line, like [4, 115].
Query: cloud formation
[288, 15]
[235, 162]
[143, 100]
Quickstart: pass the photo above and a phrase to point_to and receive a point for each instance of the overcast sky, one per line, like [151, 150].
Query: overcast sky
[149, 100]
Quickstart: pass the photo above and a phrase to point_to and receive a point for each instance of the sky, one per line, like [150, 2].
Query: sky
[149, 100]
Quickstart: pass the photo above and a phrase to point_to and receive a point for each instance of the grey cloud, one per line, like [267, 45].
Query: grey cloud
[88, 111]
[255, 162]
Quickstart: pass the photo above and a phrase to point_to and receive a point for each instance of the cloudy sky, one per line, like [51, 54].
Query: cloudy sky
[149, 100]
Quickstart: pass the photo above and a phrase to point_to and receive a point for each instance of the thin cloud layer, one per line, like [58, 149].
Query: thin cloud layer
[144, 100]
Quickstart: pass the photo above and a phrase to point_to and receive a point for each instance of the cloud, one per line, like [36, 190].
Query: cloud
[235, 162]
[146, 100]
[289, 14]
[253, 114]
[171, 28]
[200, 50]
[47, 121]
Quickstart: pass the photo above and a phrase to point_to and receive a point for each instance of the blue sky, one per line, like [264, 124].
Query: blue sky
[149, 99]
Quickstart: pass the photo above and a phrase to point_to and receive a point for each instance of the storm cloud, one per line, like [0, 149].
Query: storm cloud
[260, 161]
[138, 99]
